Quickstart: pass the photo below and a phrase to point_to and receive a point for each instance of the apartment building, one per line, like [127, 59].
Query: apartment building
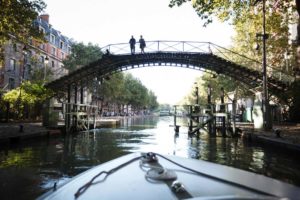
[21, 61]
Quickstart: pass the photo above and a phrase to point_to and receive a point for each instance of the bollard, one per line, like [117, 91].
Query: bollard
[176, 129]
[21, 128]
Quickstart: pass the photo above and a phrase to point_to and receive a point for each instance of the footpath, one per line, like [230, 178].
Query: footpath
[283, 135]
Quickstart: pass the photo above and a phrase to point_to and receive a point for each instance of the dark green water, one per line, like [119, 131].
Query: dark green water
[30, 168]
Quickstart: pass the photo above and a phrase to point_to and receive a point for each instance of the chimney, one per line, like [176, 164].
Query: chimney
[45, 17]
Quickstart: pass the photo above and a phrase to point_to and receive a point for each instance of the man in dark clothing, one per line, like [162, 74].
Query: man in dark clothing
[132, 44]
[142, 44]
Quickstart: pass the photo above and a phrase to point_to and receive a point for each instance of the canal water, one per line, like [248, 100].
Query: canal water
[31, 168]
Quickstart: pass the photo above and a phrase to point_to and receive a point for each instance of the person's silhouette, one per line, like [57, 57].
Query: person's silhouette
[132, 44]
[142, 44]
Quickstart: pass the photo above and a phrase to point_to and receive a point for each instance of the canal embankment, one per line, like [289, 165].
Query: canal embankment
[16, 131]
[285, 136]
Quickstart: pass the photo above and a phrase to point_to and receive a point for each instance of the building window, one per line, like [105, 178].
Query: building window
[69, 50]
[42, 46]
[15, 48]
[53, 51]
[52, 63]
[52, 38]
[12, 65]
[11, 83]
[61, 44]
[42, 59]
[42, 30]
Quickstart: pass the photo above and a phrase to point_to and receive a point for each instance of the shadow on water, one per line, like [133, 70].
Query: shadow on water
[30, 168]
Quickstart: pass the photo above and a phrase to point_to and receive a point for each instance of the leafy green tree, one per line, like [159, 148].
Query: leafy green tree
[216, 83]
[16, 21]
[247, 20]
[233, 10]
[152, 100]
[124, 89]
[27, 94]
[82, 55]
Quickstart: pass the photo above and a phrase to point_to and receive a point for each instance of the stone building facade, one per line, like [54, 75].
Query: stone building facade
[22, 61]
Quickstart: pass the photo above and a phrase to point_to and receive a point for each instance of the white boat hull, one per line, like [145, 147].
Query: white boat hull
[132, 181]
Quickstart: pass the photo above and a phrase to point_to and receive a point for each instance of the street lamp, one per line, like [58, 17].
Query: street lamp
[266, 106]
[46, 63]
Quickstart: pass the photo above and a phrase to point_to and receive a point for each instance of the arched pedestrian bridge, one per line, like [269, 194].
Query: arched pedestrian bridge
[203, 56]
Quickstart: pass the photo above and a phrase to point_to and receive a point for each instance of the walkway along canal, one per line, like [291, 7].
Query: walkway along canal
[30, 168]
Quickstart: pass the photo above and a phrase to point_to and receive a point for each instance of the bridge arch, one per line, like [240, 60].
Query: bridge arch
[201, 56]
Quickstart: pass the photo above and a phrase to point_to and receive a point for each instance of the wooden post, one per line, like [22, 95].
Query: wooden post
[234, 114]
[210, 113]
[191, 121]
[175, 113]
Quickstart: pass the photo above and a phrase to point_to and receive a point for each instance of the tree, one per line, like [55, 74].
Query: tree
[242, 14]
[215, 82]
[16, 21]
[82, 55]
[124, 89]
[247, 20]
[27, 94]
[152, 100]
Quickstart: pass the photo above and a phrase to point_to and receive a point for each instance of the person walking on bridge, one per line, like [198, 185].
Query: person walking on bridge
[132, 44]
[142, 44]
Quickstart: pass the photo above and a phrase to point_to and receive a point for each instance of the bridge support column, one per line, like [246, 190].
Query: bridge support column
[210, 112]
[75, 107]
[75, 96]
[222, 110]
[81, 95]
[68, 110]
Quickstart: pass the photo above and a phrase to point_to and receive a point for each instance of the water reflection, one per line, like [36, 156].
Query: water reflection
[33, 167]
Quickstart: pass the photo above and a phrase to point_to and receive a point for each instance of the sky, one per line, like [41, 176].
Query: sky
[104, 22]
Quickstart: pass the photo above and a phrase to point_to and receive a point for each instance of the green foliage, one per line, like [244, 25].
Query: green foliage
[247, 21]
[28, 93]
[233, 10]
[16, 20]
[82, 55]
[215, 82]
[124, 89]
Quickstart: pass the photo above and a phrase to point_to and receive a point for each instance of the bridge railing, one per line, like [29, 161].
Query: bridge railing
[198, 47]
[161, 45]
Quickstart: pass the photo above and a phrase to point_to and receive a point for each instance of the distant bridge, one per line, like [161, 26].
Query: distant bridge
[203, 56]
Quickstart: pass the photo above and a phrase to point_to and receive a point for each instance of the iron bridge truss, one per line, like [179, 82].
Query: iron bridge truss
[203, 56]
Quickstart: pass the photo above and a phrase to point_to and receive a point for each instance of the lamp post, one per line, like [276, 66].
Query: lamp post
[45, 66]
[24, 63]
[196, 93]
[24, 51]
[265, 104]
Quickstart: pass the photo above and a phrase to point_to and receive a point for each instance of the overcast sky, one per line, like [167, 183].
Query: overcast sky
[106, 22]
